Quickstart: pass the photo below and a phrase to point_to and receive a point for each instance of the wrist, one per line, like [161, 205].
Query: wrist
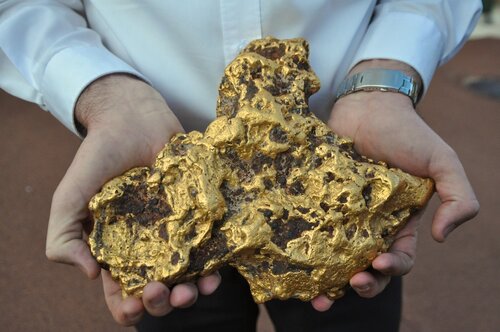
[107, 97]
[126, 108]
[376, 100]
[352, 110]
[381, 75]
[361, 103]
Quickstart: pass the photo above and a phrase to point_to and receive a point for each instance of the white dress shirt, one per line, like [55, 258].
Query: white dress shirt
[51, 50]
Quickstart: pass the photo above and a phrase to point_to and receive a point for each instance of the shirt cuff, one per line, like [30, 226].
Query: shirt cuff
[406, 37]
[70, 71]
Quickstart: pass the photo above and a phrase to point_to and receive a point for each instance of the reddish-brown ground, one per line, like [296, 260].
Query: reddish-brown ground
[453, 287]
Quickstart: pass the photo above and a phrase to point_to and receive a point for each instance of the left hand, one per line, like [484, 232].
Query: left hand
[385, 126]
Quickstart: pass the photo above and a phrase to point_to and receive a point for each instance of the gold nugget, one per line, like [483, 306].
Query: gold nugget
[268, 188]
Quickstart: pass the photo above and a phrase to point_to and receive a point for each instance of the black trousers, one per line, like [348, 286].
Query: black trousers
[231, 308]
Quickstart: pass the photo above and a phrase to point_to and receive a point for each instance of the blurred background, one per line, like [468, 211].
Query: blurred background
[453, 286]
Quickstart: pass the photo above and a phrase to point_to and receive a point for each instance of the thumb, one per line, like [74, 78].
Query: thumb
[90, 168]
[458, 201]
[65, 242]
[74, 252]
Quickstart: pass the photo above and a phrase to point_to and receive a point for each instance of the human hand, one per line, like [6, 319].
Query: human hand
[127, 123]
[385, 126]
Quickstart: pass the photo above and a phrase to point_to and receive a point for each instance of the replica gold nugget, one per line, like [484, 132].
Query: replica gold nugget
[268, 189]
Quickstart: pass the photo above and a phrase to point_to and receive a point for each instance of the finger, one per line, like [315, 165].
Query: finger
[207, 285]
[183, 295]
[394, 263]
[400, 258]
[156, 299]
[452, 214]
[321, 303]
[458, 201]
[369, 284]
[126, 311]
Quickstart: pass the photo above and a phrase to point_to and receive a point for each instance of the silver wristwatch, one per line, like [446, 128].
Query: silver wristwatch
[381, 80]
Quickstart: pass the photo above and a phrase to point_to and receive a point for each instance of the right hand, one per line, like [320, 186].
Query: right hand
[127, 123]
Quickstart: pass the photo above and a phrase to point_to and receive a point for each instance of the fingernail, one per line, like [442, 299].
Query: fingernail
[158, 301]
[362, 288]
[133, 317]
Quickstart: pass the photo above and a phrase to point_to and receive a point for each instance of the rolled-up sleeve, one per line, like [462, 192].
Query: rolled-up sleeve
[421, 33]
[48, 46]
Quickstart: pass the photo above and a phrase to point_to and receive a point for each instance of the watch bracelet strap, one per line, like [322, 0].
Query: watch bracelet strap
[378, 79]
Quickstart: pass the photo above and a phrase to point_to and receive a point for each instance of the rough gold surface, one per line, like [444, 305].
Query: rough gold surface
[268, 189]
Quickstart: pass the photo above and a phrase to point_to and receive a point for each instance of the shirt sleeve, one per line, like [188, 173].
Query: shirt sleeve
[421, 33]
[48, 55]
